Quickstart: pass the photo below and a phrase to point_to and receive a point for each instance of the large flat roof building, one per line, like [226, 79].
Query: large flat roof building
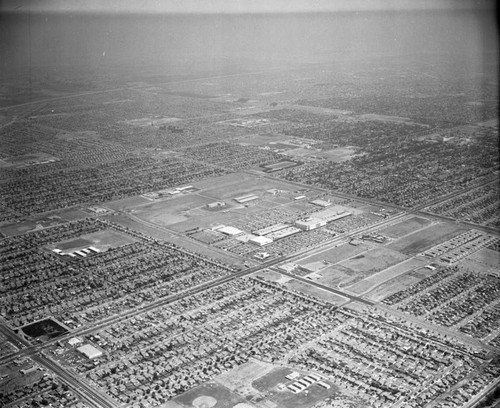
[89, 351]
[231, 231]
[261, 241]
[246, 198]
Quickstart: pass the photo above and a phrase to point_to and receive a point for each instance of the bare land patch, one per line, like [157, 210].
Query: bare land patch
[399, 283]
[241, 378]
[373, 261]
[385, 275]
[336, 254]
[422, 240]
[102, 240]
[485, 260]
[405, 227]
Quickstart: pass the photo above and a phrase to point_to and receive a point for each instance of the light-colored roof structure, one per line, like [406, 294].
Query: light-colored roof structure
[230, 230]
[261, 241]
[89, 351]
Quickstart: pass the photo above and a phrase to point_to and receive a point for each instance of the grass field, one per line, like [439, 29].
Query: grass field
[129, 202]
[225, 398]
[238, 184]
[420, 241]
[170, 211]
[242, 377]
[271, 379]
[102, 240]
[405, 227]
[385, 275]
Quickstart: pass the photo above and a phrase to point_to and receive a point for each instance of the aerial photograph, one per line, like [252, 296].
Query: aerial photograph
[249, 204]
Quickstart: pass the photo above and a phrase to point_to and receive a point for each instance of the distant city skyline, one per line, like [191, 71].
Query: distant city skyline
[237, 6]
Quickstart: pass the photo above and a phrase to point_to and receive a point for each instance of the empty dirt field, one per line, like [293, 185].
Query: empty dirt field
[390, 273]
[422, 240]
[398, 283]
[405, 227]
[336, 254]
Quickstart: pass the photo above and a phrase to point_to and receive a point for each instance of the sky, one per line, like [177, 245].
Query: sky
[234, 6]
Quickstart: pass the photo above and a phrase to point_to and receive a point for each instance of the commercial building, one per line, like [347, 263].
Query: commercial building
[231, 231]
[271, 228]
[246, 198]
[260, 241]
[321, 203]
[282, 233]
[288, 267]
[89, 351]
[262, 255]
[309, 224]
[74, 341]
[217, 204]
[321, 218]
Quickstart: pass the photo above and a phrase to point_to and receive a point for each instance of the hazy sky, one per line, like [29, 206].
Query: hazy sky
[234, 6]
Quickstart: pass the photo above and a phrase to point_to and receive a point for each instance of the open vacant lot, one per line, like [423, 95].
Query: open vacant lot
[336, 254]
[387, 274]
[405, 227]
[241, 378]
[102, 240]
[372, 261]
[417, 242]
[399, 283]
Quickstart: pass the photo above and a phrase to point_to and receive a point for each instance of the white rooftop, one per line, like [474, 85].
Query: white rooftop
[89, 351]
[230, 230]
[261, 240]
